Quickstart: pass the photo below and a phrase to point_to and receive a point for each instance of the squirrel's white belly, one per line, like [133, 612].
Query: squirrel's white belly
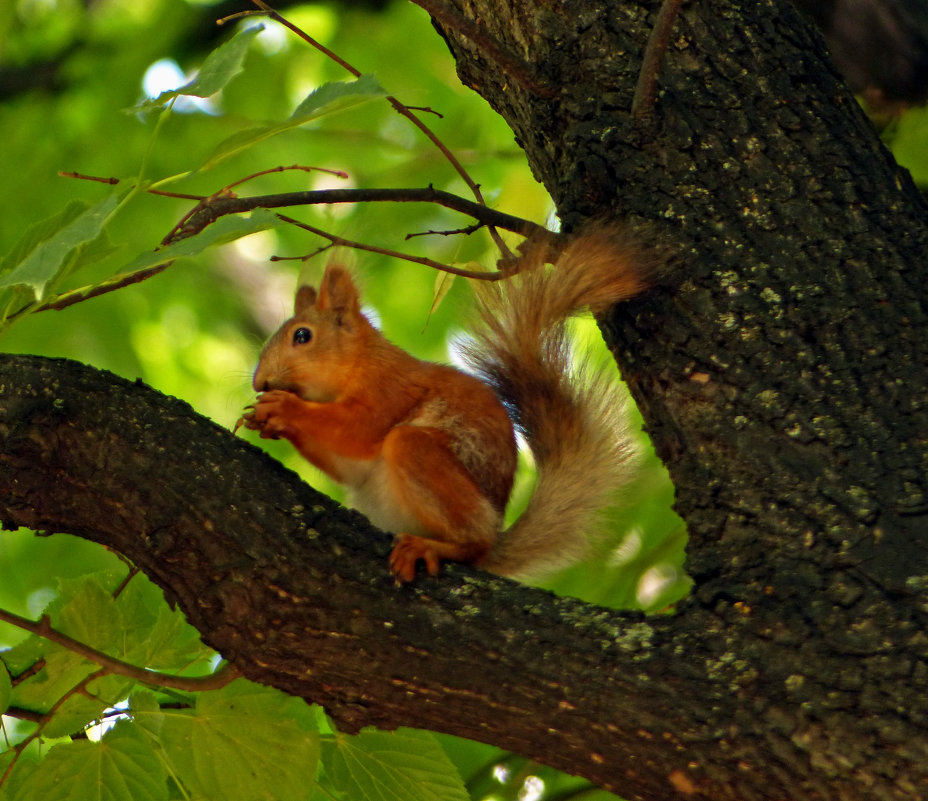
[373, 494]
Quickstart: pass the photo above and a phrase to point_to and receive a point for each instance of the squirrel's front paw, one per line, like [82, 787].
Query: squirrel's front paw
[268, 414]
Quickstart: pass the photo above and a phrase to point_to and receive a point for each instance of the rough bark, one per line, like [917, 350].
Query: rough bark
[780, 369]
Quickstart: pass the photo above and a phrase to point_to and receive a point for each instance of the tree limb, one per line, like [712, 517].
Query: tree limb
[216, 207]
[295, 593]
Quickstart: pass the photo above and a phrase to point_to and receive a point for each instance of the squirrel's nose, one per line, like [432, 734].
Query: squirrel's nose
[260, 382]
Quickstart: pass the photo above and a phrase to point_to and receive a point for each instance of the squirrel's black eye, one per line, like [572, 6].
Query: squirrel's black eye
[301, 336]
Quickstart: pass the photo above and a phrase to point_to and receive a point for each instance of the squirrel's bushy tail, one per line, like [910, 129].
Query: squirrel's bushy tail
[573, 420]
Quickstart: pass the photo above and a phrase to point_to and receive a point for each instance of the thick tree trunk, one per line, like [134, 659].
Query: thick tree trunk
[781, 377]
[781, 368]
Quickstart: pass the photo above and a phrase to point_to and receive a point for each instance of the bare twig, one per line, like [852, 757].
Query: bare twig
[115, 181]
[301, 167]
[467, 231]
[427, 110]
[81, 177]
[23, 714]
[482, 275]
[133, 572]
[30, 671]
[110, 664]
[658, 42]
[86, 293]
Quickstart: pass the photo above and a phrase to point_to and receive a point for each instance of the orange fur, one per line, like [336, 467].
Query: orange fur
[429, 452]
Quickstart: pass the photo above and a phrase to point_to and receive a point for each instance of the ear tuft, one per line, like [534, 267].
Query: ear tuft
[338, 292]
[305, 297]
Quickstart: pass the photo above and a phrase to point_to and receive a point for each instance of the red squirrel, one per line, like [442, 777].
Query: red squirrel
[427, 451]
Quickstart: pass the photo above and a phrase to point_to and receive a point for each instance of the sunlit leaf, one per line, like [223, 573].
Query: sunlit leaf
[404, 765]
[60, 671]
[146, 711]
[219, 67]
[328, 98]
[45, 250]
[79, 710]
[159, 638]
[21, 775]
[87, 612]
[121, 767]
[244, 741]
[443, 283]
[225, 229]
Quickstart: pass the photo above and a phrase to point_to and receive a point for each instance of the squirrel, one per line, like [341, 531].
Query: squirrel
[428, 451]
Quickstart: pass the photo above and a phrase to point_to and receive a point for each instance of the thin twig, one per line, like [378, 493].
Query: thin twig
[658, 42]
[110, 664]
[427, 110]
[470, 229]
[301, 167]
[133, 572]
[495, 275]
[82, 177]
[29, 672]
[115, 181]
[23, 714]
[67, 299]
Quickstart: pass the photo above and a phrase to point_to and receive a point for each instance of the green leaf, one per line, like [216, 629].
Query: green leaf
[219, 67]
[60, 672]
[88, 613]
[225, 229]
[146, 711]
[328, 98]
[405, 765]
[80, 711]
[45, 250]
[157, 636]
[38, 232]
[6, 688]
[21, 774]
[243, 741]
[121, 767]
[443, 283]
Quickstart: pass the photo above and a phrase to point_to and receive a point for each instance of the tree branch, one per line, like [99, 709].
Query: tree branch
[216, 207]
[210, 209]
[295, 593]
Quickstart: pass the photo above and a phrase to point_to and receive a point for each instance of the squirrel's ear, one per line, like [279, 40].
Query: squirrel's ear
[305, 297]
[338, 292]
